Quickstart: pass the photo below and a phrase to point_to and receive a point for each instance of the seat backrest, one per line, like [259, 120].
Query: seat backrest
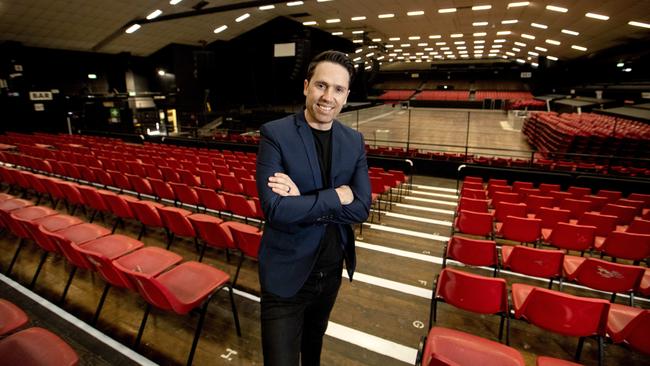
[12, 317]
[575, 206]
[468, 192]
[624, 214]
[579, 192]
[572, 237]
[640, 197]
[146, 213]
[213, 231]
[534, 202]
[149, 288]
[175, 219]
[521, 229]
[185, 193]
[565, 314]
[472, 251]
[545, 263]
[607, 276]
[612, 196]
[632, 246]
[162, 189]
[549, 187]
[118, 204]
[36, 346]
[504, 209]
[551, 217]
[474, 223]
[597, 202]
[604, 224]
[473, 185]
[473, 204]
[639, 226]
[472, 292]
[247, 238]
[636, 332]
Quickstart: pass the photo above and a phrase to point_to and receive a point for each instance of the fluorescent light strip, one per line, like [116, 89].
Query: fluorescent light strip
[337, 33]
[596, 16]
[243, 17]
[579, 48]
[414, 38]
[435, 36]
[174, 2]
[479, 24]
[503, 33]
[267, 7]
[294, 3]
[132, 28]
[354, 19]
[553, 42]
[499, 41]
[538, 25]
[481, 7]
[479, 34]
[311, 22]
[520, 44]
[553, 58]
[154, 14]
[541, 49]
[331, 21]
[556, 8]
[518, 4]
[509, 21]
[447, 10]
[357, 32]
[527, 36]
[570, 32]
[221, 29]
[385, 16]
[457, 35]
[638, 24]
[415, 13]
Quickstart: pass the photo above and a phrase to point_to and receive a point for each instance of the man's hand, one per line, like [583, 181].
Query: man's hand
[282, 184]
[345, 195]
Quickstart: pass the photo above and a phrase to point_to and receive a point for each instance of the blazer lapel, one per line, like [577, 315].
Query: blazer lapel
[337, 151]
[310, 149]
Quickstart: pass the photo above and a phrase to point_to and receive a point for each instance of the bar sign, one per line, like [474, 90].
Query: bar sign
[40, 95]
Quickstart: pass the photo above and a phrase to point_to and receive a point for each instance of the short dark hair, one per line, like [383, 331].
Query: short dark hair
[334, 57]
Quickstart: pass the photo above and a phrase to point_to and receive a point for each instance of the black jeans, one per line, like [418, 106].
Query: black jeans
[293, 328]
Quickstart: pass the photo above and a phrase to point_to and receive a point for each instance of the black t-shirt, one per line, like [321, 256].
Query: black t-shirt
[330, 256]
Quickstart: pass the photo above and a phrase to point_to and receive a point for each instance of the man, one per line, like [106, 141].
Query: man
[312, 178]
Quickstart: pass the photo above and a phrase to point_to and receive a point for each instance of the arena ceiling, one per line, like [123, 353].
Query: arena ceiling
[394, 31]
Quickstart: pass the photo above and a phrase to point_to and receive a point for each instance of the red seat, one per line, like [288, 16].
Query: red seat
[501, 195]
[624, 214]
[211, 200]
[619, 244]
[189, 178]
[549, 187]
[483, 295]
[575, 206]
[639, 226]
[644, 286]
[562, 313]
[147, 260]
[521, 229]
[176, 223]
[17, 219]
[472, 204]
[640, 197]
[474, 223]
[533, 262]
[473, 179]
[504, 209]
[473, 185]
[444, 346]
[637, 204]
[209, 179]
[250, 187]
[559, 196]
[248, 239]
[612, 196]
[579, 192]
[181, 289]
[12, 317]
[471, 193]
[185, 194]
[629, 325]
[119, 206]
[36, 347]
[94, 200]
[604, 276]
[240, 205]
[162, 190]
[170, 174]
[472, 252]
[597, 202]
[572, 237]
[535, 202]
[101, 252]
[604, 224]
[140, 184]
[146, 212]
[550, 218]
[213, 232]
[230, 183]
[121, 180]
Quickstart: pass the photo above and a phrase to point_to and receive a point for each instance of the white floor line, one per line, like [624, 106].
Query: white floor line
[434, 188]
[427, 200]
[416, 218]
[362, 122]
[391, 285]
[418, 234]
[399, 252]
[432, 194]
[127, 352]
[422, 208]
[373, 343]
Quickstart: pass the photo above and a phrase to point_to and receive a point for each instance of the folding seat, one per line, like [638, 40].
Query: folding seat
[211, 199]
[94, 200]
[118, 206]
[57, 168]
[247, 239]
[521, 229]
[71, 195]
[612, 196]
[15, 219]
[497, 182]
[474, 223]
[576, 207]
[478, 294]
[473, 179]
[597, 202]
[624, 214]
[562, 313]
[230, 183]
[629, 325]
[36, 347]
[444, 346]
[645, 198]
[469, 193]
[491, 189]
[241, 173]
[36, 183]
[620, 244]
[213, 232]
[240, 205]
[525, 192]
[509, 197]
[71, 170]
[189, 178]
[181, 289]
[177, 224]
[146, 212]
[185, 194]
[250, 187]
[604, 276]
[637, 204]
[221, 168]
[504, 209]
[102, 177]
[401, 179]
[12, 317]
[141, 185]
[518, 185]
[639, 226]
[9, 205]
[542, 263]
[472, 204]
[549, 187]
[534, 202]
[550, 218]
[77, 234]
[209, 179]
[472, 252]
[153, 172]
[644, 286]
[162, 190]
[101, 252]
[604, 225]
[120, 180]
[579, 192]
[473, 185]
[169, 174]
[559, 196]
[86, 173]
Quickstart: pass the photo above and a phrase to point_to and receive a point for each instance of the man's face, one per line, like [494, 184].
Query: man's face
[326, 93]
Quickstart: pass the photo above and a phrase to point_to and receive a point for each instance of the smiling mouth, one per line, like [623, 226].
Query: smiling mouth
[325, 108]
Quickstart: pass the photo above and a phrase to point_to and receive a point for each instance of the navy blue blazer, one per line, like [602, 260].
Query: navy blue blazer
[295, 224]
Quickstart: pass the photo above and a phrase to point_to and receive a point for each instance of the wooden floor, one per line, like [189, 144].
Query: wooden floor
[378, 319]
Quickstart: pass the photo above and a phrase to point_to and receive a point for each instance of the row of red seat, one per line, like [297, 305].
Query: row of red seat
[550, 310]
[32, 346]
[157, 274]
